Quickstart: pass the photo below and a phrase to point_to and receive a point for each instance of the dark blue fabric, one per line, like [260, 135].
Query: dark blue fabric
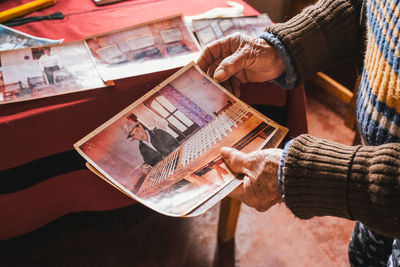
[368, 248]
[394, 259]
[280, 169]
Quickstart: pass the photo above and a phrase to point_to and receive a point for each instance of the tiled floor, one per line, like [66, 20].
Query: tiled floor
[136, 236]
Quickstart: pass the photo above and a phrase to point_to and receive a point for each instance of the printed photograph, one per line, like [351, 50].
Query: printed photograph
[31, 73]
[145, 48]
[209, 30]
[12, 39]
[165, 150]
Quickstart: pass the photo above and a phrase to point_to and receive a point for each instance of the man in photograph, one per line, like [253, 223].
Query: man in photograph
[49, 63]
[154, 145]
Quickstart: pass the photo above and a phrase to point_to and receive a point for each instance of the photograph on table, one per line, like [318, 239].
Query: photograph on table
[145, 48]
[209, 30]
[37, 72]
[164, 149]
[12, 39]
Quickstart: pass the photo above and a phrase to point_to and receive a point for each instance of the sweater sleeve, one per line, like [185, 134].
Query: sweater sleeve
[321, 35]
[324, 178]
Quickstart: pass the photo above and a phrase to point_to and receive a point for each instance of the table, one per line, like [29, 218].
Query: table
[38, 135]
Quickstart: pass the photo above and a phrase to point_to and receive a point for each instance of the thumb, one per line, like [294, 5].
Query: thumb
[229, 66]
[234, 159]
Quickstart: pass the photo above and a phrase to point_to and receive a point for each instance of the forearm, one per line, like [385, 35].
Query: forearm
[322, 34]
[323, 178]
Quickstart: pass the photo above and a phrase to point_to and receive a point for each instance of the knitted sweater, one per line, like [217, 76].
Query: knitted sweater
[325, 178]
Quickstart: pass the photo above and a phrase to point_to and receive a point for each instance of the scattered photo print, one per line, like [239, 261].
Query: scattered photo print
[37, 72]
[209, 30]
[151, 47]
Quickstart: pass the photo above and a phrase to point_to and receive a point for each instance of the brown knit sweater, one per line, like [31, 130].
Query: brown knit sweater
[322, 34]
[326, 178]
[355, 182]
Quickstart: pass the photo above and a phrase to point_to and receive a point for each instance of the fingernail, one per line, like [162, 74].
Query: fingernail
[219, 75]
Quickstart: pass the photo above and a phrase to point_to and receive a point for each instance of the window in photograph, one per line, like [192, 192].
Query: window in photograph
[171, 113]
[225, 24]
[111, 54]
[178, 121]
[174, 121]
[177, 49]
[206, 35]
[136, 43]
[147, 53]
[166, 103]
[182, 117]
[200, 24]
[171, 35]
[160, 109]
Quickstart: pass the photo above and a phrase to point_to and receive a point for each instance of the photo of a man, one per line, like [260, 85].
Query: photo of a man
[154, 144]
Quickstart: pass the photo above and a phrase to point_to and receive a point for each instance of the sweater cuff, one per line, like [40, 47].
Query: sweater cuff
[315, 177]
[324, 178]
[280, 171]
[288, 79]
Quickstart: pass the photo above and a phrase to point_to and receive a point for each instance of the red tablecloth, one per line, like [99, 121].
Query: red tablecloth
[33, 130]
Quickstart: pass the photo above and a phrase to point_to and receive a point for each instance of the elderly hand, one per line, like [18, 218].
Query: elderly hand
[260, 184]
[238, 59]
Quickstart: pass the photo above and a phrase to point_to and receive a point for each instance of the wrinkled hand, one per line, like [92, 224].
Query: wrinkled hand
[238, 59]
[260, 184]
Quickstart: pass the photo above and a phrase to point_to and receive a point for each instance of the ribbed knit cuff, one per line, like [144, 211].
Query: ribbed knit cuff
[288, 79]
[321, 35]
[362, 183]
[315, 176]
[373, 188]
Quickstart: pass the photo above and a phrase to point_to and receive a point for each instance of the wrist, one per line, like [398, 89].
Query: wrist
[280, 169]
[276, 64]
[274, 156]
[287, 79]
[280, 68]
